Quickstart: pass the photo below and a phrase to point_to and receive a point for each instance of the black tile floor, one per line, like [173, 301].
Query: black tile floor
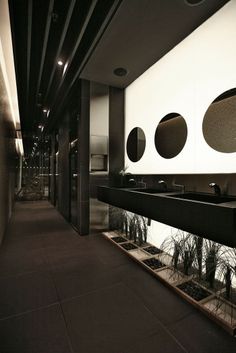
[62, 293]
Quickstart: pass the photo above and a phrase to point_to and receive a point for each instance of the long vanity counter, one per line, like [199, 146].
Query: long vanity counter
[206, 215]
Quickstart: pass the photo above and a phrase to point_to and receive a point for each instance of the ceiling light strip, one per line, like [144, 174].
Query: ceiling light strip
[29, 38]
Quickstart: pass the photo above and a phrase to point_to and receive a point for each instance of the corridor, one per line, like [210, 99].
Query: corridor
[62, 293]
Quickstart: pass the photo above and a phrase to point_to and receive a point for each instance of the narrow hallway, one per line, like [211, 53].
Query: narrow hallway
[62, 293]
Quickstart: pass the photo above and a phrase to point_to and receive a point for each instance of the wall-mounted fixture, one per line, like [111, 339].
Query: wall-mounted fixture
[171, 135]
[98, 153]
[136, 144]
[60, 63]
[216, 188]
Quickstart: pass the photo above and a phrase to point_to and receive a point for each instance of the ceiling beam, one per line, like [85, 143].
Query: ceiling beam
[83, 29]
[45, 43]
[99, 34]
[63, 35]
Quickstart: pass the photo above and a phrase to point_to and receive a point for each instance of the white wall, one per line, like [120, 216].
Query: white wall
[186, 81]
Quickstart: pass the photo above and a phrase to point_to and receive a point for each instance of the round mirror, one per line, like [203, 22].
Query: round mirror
[136, 143]
[171, 135]
[219, 123]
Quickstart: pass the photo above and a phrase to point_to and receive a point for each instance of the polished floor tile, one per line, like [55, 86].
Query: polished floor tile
[40, 331]
[22, 293]
[108, 320]
[199, 334]
[63, 293]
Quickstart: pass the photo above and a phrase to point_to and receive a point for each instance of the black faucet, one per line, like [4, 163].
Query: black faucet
[162, 182]
[131, 181]
[216, 188]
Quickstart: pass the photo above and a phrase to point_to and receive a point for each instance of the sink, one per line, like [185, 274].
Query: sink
[150, 190]
[207, 215]
[204, 197]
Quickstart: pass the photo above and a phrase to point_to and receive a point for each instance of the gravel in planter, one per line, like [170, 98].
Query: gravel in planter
[194, 290]
[128, 246]
[153, 250]
[153, 263]
[119, 239]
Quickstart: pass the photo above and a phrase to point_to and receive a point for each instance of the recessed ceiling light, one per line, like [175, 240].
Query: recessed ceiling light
[60, 63]
[120, 71]
[194, 2]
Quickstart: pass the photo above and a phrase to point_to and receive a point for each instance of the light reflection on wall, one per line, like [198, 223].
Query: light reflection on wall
[8, 70]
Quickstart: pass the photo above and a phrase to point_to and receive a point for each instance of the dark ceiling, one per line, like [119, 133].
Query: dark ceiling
[45, 31]
[94, 37]
[141, 32]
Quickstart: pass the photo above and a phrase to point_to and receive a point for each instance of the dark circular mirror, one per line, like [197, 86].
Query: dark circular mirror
[171, 135]
[219, 123]
[136, 143]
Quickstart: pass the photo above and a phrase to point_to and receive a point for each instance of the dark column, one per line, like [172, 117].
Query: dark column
[116, 133]
[63, 168]
[52, 171]
[83, 159]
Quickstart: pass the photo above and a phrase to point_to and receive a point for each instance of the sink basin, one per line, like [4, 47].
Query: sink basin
[207, 215]
[150, 190]
[204, 197]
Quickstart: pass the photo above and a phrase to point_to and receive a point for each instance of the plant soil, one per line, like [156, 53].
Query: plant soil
[119, 239]
[128, 246]
[194, 290]
[153, 250]
[153, 263]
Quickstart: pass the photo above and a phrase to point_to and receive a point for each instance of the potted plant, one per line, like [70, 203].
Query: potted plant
[137, 229]
[199, 254]
[188, 252]
[212, 257]
[118, 219]
[227, 271]
[182, 247]
[142, 230]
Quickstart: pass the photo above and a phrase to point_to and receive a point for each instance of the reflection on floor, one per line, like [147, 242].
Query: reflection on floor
[98, 216]
[62, 293]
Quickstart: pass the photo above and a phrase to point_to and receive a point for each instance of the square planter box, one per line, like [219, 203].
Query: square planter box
[110, 234]
[128, 246]
[118, 239]
[223, 311]
[165, 258]
[152, 250]
[172, 277]
[138, 254]
[211, 304]
[194, 291]
[153, 263]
